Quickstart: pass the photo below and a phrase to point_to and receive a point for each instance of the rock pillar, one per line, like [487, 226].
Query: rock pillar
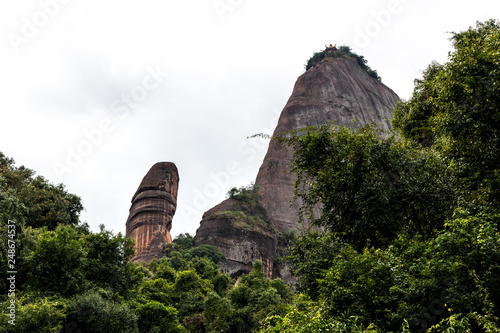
[153, 207]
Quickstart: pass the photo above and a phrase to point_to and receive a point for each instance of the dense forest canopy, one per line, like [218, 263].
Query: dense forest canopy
[407, 239]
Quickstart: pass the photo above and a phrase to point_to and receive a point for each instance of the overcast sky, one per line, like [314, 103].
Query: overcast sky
[93, 93]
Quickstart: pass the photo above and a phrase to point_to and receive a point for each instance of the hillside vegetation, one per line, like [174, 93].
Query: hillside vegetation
[408, 238]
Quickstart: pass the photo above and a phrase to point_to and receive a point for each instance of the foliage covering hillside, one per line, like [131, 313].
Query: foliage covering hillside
[70, 279]
[75, 280]
[409, 235]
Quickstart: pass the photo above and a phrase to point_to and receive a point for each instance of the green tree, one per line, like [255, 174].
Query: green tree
[413, 117]
[38, 203]
[69, 260]
[107, 260]
[30, 201]
[368, 185]
[189, 292]
[212, 253]
[42, 316]
[165, 271]
[183, 242]
[343, 51]
[12, 207]
[155, 317]
[178, 260]
[208, 270]
[189, 281]
[182, 250]
[448, 281]
[158, 290]
[306, 316]
[255, 297]
[218, 313]
[457, 107]
[55, 263]
[91, 313]
[311, 256]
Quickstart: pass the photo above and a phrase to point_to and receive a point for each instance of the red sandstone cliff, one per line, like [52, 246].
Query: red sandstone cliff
[336, 91]
[153, 206]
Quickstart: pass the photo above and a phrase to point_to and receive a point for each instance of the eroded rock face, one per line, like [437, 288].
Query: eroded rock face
[241, 241]
[153, 207]
[336, 91]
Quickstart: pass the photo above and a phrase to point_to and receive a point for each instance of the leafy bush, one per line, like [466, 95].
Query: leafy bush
[343, 52]
[68, 260]
[306, 316]
[369, 185]
[246, 211]
[38, 202]
[246, 197]
[94, 314]
[219, 313]
[448, 281]
[213, 253]
[455, 109]
[255, 297]
[42, 316]
[155, 317]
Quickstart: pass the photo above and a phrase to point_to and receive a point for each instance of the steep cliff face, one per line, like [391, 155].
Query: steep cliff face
[336, 91]
[243, 233]
[153, 207]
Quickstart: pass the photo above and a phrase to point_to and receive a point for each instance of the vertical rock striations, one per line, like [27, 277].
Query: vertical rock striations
[153, 206]
[336, 91]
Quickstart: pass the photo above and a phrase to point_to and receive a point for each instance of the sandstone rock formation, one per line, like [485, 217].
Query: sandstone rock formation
[242, 235]
[153, 206]
[335, 91]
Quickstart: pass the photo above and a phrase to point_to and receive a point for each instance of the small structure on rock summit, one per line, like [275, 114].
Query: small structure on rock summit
[330, 48]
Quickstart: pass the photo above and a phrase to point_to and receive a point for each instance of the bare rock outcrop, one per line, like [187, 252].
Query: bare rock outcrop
[243, 235]
[153, 207]
[336, 91]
